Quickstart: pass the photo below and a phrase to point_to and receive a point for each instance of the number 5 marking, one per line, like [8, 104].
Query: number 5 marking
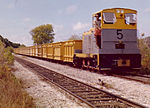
[120, 35]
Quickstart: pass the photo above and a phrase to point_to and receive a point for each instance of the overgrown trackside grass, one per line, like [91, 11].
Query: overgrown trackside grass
[11, 92]
[145, 52]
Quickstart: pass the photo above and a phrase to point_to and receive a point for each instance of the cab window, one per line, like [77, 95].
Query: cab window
[109, 18]
[130, 18]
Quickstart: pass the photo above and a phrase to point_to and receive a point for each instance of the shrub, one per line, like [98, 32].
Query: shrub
[11, 92]
[145, 52]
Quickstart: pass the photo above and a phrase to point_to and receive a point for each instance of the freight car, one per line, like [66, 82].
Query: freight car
[111, 43]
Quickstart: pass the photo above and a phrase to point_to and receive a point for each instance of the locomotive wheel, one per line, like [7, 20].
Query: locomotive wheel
[83, 64]
[89, 65]
[77, 62]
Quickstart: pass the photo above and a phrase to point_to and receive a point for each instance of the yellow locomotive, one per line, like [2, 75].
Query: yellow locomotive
[111, 43]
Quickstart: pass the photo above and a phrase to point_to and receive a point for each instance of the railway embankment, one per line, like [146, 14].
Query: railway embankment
[132, 90]
[12, 94]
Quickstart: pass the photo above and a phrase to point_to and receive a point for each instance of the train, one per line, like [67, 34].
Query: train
[115, 45]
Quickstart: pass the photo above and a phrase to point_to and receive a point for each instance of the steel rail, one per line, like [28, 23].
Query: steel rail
[137, 78]
[94, 97]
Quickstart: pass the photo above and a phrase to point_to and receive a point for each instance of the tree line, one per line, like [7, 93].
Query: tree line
[8, 43]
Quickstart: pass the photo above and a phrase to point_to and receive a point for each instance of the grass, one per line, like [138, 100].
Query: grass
[12, 94]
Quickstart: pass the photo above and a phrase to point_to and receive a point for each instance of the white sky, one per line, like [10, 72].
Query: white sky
[68, 17]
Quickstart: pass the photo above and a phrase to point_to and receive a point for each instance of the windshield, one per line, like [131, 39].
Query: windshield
[109, 18]
[130, 18]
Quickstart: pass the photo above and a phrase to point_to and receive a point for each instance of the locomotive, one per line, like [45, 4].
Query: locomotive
[115, 47]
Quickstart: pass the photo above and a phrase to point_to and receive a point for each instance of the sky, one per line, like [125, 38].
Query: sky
[68, 17]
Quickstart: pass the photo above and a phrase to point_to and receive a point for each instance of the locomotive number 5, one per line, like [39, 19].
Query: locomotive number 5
[119, 34]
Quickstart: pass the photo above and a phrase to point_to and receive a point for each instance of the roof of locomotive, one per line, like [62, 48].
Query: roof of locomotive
[113, 10]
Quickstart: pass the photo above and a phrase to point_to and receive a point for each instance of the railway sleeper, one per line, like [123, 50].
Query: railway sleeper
[59, 79]
[76, 88]
[100, 99]
[77, 91]
[67, 83]
[91, 93]
[96, 96]
[73, 86]
[82, 88]
[111, 105]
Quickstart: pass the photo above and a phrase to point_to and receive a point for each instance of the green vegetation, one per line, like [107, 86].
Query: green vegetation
[11, 92]
[42, 34]
[9, 43]
[145, 52]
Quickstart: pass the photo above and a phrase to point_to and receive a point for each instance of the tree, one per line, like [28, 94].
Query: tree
[42, 34]
[75, 37]
[145, 52]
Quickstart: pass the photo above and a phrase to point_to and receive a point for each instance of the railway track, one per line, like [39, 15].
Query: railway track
[129, 76]
[135, 77]
[94, 97]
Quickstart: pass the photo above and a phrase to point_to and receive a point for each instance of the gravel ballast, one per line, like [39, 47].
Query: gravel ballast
[45, 95]
[132, 90]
